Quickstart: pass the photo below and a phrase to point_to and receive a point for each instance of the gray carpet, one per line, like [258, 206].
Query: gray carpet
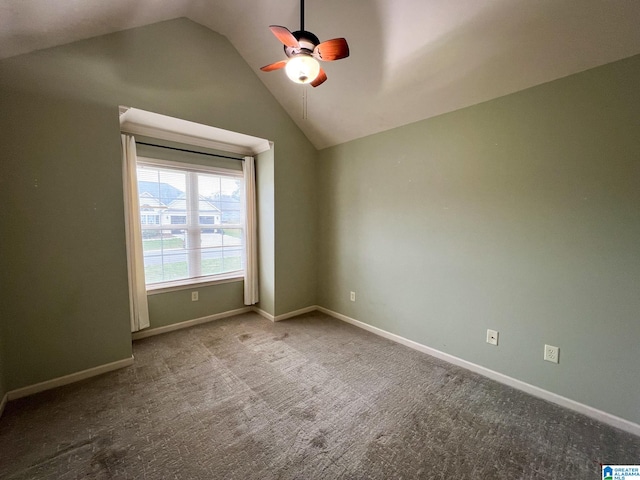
[308, 398]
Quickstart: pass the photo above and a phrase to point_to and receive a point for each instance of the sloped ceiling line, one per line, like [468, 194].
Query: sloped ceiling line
[410, 60]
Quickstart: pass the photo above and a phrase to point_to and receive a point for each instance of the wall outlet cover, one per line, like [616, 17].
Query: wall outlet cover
[492, 337]
[551, 354]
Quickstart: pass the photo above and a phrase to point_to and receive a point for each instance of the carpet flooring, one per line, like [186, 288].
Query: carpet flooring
[307, 398]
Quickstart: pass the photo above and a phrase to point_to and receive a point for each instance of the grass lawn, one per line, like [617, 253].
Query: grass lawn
[160, 243]
[179, 270]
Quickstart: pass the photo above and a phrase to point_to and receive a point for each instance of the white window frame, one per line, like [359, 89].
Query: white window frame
[192, 226]
[135, 122]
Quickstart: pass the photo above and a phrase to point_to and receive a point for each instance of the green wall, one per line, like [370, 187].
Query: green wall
[521, 214]
[265, 183]
[3, 327]
[64, 276]
[176, 306]
[3, 388]
[296, 207]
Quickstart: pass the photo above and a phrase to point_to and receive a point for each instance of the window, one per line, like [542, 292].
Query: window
[192, 222]
[147, 219]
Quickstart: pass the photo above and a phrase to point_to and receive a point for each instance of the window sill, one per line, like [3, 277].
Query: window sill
[191, 283]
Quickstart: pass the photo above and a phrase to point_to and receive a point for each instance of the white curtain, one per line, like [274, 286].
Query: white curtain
[139, 309]
[251, 233]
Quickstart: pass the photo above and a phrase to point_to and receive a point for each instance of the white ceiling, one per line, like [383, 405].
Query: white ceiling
[410, 59]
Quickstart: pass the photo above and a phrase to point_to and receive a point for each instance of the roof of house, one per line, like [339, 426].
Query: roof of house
[204, 206]
[148, 200]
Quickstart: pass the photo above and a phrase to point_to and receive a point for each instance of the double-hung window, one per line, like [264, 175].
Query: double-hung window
[192, 220]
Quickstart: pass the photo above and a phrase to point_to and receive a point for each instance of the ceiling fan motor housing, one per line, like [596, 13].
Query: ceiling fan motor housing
[307, 41]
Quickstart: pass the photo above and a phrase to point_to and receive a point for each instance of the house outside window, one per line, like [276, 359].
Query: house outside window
[147, 219]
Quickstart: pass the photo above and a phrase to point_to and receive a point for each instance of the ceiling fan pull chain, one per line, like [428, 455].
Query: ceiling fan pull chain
[304, 102]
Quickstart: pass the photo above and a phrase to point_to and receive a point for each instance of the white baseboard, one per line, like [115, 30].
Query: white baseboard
[264, 314]
[197, 321]
[285, 316]
[3, 402]
[188, 323]
[92, 372]
[67, 379]
[295, 313]
[592, 412]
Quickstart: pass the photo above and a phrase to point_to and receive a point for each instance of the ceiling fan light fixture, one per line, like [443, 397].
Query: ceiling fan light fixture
[302, 68]
[304, 51]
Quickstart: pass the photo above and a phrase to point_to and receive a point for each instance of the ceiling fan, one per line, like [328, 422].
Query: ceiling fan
[303, 50]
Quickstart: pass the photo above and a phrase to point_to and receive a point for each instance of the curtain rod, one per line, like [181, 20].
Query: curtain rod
[191, 151]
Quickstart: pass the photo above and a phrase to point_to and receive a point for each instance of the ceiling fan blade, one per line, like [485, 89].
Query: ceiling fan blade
[285, 36]
[320, 79]
[274, 66]
[334, 49]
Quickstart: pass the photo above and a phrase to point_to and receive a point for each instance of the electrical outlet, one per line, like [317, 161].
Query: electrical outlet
[492, 337]
[353, 296]
[551, 354]
[194, 296]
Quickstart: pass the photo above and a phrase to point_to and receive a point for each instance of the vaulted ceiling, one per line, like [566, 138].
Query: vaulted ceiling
[410, 59]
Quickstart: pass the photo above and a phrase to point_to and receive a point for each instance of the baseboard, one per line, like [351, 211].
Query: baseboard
[188, 323]
[92, 372]
[284, 316]
[592, 412]
[67, 379]
[295, 313]
[3, 402]
[264, 314]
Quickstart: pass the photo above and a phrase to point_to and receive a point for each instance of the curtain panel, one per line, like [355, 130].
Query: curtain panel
[138, 306]
[251, 233]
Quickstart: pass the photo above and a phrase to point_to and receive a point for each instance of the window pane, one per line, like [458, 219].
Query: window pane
[222, 252]
[202, 214]
[165, 256]
[224, 194]
[160, 185]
